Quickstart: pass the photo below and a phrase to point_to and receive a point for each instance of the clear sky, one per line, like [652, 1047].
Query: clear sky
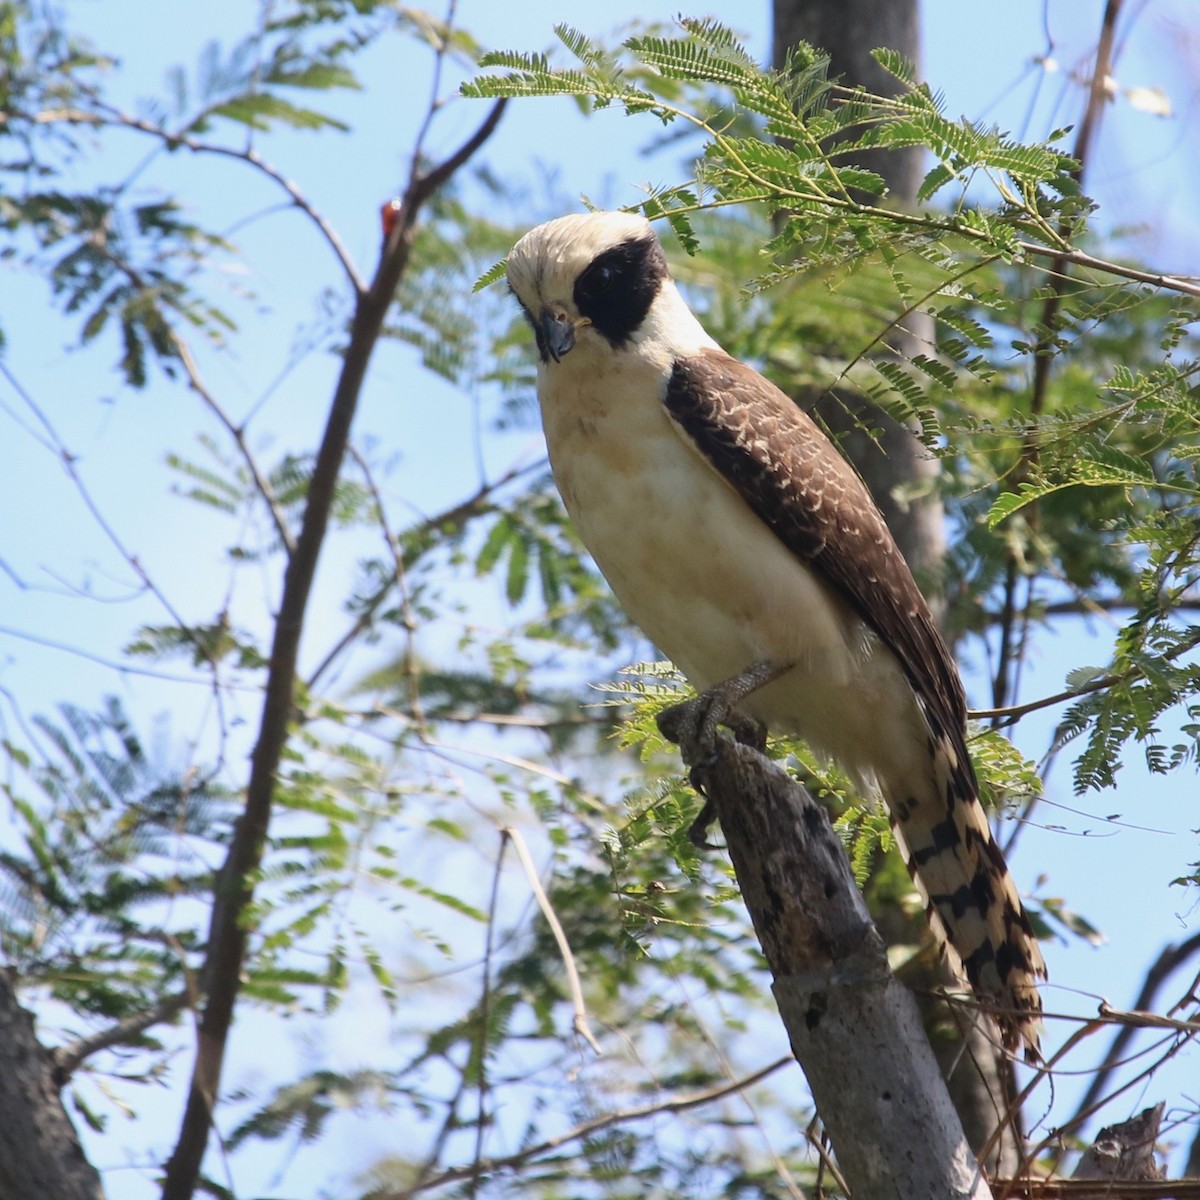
[1009, 64]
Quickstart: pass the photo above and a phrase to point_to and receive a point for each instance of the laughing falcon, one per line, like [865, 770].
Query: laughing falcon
[734, 533]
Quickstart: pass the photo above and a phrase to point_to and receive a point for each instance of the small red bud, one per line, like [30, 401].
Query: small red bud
[389, 214]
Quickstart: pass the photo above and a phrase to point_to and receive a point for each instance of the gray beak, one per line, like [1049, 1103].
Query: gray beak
[555, 334]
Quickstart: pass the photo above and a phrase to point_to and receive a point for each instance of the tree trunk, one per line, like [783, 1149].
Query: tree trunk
[854, 1030]
[1122, 1152]
[40, 1155]
[894, 462]
[899, 470]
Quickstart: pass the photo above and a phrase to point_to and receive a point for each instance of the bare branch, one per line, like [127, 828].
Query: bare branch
[580, 1022]
[1086, 1189]
[66, 1060]
[1090, 606]
[425, 185]
[1015, 711]
[1079, 258]
[621, 1116]
[228, 930]
[120, 668]
[115, 118]
[852, 1026]
[435, 88]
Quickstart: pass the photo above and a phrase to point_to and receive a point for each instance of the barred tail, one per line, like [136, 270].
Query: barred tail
[971, 899]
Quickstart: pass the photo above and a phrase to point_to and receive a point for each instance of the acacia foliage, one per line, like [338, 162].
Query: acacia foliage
[441, 708]
[1110, 454]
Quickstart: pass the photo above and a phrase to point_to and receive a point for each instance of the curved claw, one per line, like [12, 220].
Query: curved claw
[693, 724]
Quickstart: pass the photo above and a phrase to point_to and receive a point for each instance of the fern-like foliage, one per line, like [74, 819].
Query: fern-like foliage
[803, 165]
[1099, 488]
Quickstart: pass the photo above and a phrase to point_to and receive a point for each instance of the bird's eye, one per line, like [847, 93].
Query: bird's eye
[600, 279]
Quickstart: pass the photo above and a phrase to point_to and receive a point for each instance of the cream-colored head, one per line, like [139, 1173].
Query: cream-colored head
[596, 280]
[544, 265]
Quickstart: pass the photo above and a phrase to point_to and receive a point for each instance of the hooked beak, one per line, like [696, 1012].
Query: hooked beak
[555, 334]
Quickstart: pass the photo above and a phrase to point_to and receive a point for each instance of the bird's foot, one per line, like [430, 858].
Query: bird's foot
[693, 725]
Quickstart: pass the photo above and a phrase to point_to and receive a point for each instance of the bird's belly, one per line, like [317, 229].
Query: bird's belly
[713, 587]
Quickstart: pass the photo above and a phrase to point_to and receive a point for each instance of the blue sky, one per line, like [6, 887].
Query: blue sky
[988, 60]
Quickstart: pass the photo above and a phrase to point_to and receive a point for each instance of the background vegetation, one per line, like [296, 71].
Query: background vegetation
[384, 819]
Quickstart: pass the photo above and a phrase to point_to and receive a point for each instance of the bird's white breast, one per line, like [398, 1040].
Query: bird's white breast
[699, 573]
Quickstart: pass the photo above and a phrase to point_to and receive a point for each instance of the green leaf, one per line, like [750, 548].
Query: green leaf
[493, 274]
[259, 110]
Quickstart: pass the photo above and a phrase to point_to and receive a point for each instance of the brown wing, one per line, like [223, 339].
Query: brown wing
[793, 477]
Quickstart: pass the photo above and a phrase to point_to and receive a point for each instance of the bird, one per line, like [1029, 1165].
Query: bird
[744, 546]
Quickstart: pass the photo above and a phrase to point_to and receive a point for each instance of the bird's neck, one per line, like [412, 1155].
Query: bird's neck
[670, 330]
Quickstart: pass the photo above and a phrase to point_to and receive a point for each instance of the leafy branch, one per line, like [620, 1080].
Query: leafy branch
[814, 126]
[228, 933]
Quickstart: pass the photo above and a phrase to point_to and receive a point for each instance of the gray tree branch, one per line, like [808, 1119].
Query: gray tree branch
[853, 1028]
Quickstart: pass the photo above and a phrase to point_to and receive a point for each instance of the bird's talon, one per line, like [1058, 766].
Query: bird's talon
[698, 830]
[672, 722]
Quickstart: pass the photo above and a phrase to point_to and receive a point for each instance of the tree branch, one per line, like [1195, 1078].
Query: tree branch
[451, 518]
[116, 118]
[853, 1028]
[1015, 711]
[228, 931]
[423, 186]
[492, 1166]
[68, 1059]
[1086, 1189]
[41, 1156]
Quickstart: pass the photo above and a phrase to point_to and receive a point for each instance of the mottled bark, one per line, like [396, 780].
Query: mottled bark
[854, 1030]
[40, 1154]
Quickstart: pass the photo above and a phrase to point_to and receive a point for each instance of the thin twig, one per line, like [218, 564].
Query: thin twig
[1011, 649]
[1168, 961]
[67, 1059]
[1088, 1189]
[412, 667]
[580, 1022]
[585, 1129]
[425, 185]
[112, 117]
[69, 463]
[781, 1168]
[453, 518]
[435, 87]
[121, 668]
[485, 1002]
[238, 433]
[1014, 711]
[1079, 258]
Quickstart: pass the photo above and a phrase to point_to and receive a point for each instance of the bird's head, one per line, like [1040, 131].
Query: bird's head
[587, 278]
